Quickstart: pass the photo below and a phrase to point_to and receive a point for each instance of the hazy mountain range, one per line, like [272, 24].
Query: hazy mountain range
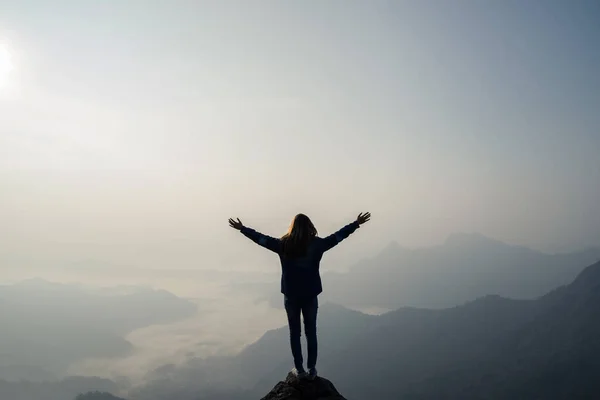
[465, 267]
[548, 348]
[46, 326]
[489, 348]
[484, 347]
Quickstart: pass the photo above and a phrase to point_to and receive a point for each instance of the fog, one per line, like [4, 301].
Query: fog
[130, 131]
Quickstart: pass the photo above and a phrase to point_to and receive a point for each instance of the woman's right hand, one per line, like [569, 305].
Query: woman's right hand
[236, 224]
[362, 218]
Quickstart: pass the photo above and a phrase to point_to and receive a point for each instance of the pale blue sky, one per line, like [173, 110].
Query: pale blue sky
[131, 130]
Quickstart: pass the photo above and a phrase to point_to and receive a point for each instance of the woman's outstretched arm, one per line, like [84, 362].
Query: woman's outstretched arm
[333, 239]
[265, 241]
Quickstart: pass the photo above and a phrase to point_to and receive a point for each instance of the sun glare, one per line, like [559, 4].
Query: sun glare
[6, 65]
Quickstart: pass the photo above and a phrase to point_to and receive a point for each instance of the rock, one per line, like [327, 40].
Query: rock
[304, 389]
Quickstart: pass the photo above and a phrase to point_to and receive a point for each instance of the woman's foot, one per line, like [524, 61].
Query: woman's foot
[299, 373]
[312, 373]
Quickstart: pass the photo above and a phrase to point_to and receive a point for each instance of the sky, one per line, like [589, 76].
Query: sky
[130, 131]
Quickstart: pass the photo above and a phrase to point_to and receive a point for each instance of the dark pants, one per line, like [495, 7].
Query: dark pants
[308, 307]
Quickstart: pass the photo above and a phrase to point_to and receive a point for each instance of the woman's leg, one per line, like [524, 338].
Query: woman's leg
[309, 313]
[292, 308]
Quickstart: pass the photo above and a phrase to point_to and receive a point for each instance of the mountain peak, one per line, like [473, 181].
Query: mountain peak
[303, 389]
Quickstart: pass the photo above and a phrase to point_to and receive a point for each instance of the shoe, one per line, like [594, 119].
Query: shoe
[312, 373]
[300, 374]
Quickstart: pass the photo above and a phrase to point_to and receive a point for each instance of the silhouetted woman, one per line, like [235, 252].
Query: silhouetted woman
[300, 251]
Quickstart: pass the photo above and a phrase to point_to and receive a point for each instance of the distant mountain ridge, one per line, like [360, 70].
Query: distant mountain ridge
[46, 326]
[464, 267]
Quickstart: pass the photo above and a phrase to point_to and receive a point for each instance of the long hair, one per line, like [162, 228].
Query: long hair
[299, 235]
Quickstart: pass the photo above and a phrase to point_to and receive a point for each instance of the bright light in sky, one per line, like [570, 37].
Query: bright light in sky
[6, 65]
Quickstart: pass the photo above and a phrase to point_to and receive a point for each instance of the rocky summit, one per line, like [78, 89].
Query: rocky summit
[304, 389]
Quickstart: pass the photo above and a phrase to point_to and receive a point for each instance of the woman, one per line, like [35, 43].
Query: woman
[300, 251]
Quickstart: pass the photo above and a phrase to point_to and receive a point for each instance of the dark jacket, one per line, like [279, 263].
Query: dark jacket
[300, 276]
